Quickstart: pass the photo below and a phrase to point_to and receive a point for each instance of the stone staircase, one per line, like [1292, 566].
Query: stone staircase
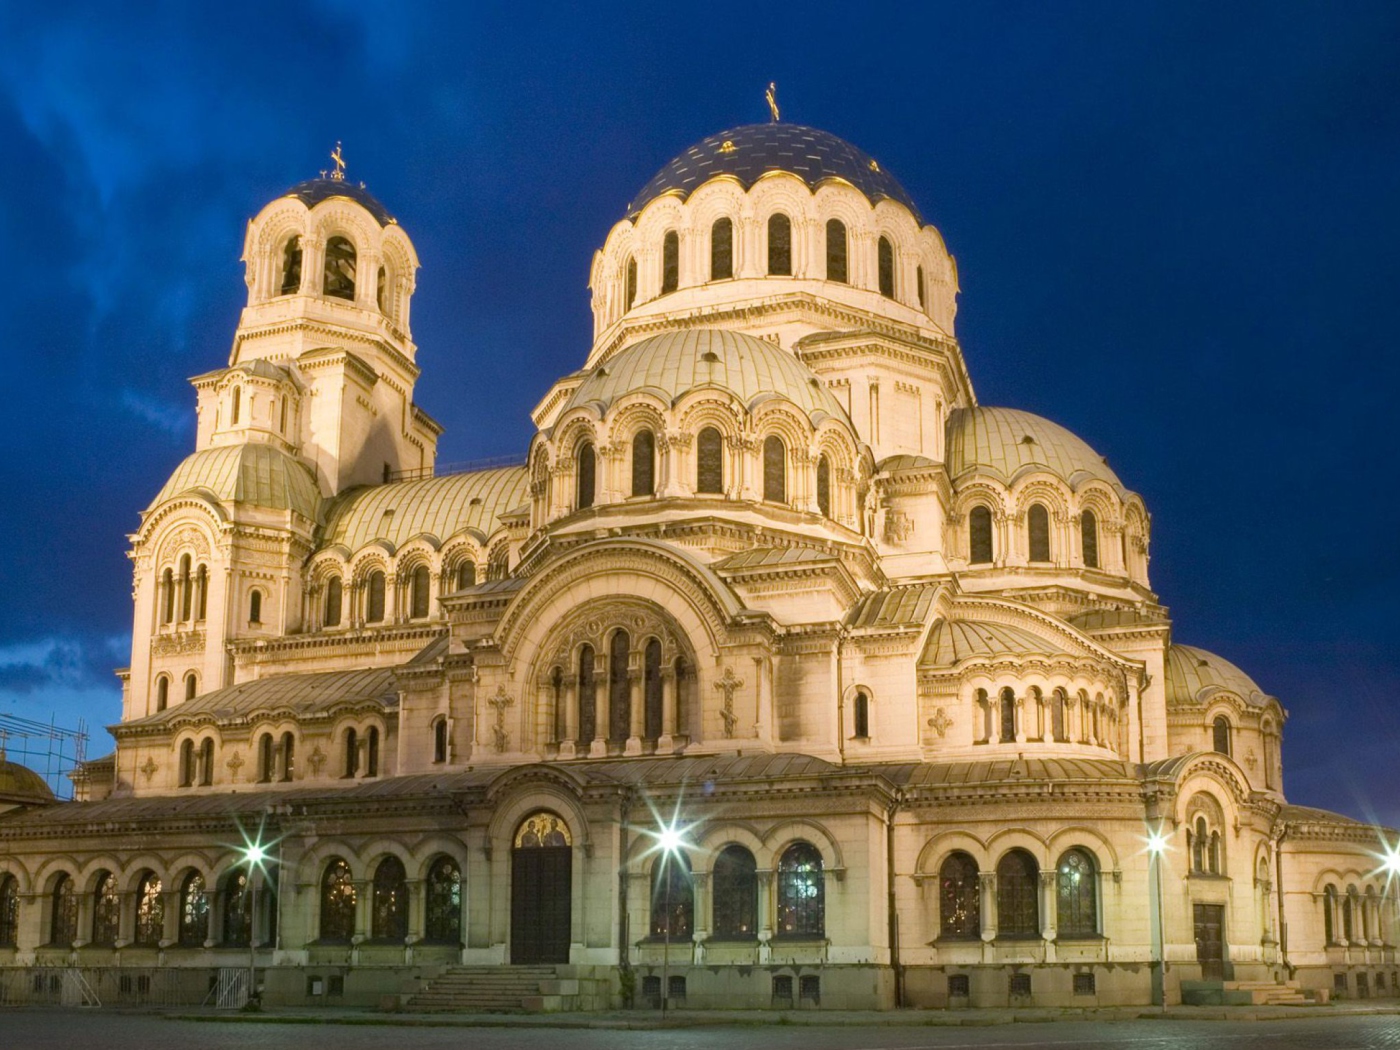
[1246, 993]
[497, 989]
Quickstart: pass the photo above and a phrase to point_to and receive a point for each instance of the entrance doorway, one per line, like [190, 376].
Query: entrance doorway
[1210, 940]
[541, 890]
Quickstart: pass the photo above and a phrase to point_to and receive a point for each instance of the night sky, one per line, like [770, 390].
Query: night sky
[1177, 228]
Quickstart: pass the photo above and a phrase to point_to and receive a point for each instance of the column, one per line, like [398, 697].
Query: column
[1049, 919]
[568, 747]
[669, 686]
[636, 705]
[1022, 713]
[602, 706]
[765, 915]
[987, 900]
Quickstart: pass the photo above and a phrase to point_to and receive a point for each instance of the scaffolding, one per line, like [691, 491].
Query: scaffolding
[47, 748]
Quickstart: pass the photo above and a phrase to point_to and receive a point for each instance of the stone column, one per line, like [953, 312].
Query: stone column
[636, 714]
[568, 747]
[987, 901]
[669, 687]
[1022, 713]
[1049, 919]
[765, 915]
[602, 706]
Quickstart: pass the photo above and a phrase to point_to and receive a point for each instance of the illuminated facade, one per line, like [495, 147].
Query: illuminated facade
[892, 657]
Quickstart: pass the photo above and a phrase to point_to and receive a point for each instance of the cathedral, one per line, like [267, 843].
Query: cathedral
[777, 672]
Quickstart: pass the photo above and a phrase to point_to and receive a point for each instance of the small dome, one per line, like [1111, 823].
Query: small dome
[313, 191]
[1194, 676]
[1008, 442]
[258, 474]
[749, 152]
[21, 785]
[674, 363]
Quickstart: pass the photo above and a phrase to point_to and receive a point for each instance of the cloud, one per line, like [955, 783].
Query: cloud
[172, 419]
[65, 663]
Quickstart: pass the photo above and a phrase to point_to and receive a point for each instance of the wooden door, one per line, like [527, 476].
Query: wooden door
[1210, 940]
[541, 899]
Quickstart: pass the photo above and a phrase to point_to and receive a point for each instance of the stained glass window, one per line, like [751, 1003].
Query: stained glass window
[150, 911]
[709, 461]
[444, 902]
[1018, 910]
[780, 245]
[237, 911]
[9, 910]
[672, 896]
[801, 892]
[722, 250]
[390, 918]
[734, 879]
[63, 927]
[670, 262]
[959, 898]
[836, 269]
[337, 903]
[1077, 902]
[194, 911]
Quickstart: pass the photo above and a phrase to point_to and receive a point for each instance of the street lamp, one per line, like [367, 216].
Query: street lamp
[669, 841]
[253, 855]
[1157, 844]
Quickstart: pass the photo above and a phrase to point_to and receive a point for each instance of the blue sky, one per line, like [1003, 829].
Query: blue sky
[1175, 224]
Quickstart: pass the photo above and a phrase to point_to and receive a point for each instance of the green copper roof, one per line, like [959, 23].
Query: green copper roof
[21, 784]
[256, 474]
[1006, 442]
[437, 507]
[1194, 676]
[284, 694]
[675, 363]
[953, 641]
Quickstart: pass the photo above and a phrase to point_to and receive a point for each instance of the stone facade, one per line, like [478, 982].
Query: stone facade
[890, 659]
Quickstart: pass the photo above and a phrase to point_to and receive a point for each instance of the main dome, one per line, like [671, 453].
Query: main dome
[1007, 441]
[749, 152]
[673, 363]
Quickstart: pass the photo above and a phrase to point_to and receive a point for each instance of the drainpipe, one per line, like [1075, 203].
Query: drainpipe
[890, 811]
[841, 697]
[623, 936]
[1282, 915]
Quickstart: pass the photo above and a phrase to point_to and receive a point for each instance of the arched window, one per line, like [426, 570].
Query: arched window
[631, 282]
[186, 589]
[587, 696]
[1057, 715]
[194, 911]
[291, 268]
[836, 269]
[709, 461]
[1008, 716]
[774, 469]
[337, 903]
[861, 716]
[352, 753]
[9, 911]
[1038, 526]
[801, 892]
[238, 926]
[651, 689]
[191, 686]
[206, 762]
[374, 597]
[150, 911]
[1077, 897]
[498, 562]
[466, 574]
[162, 693]
[919, 281]
[418, 592]
[63, 924]
[282, 417]
[288, 756]
[1018, 910]
[1220, 734]
[237, 399]
[1329, 915]
[779, 245]
[643, 463]
[390, 903]
[340, 269]
[672, 896]
[443, 903]
[372, 752]
[979, 534]
[334, 600]
[885, 253]
[380, 286]
[735, 881]
[187, 764]
[722, 249]
[670, 262]
[586, 465]
[167, 596]
[201, 591]
[106, 910]
[619, 688]
[265, 759]
[1213, 860]
[255, 607]
[1089, 538]
[824, 485]
[440, 739]
[959, 898]
[1199, 838]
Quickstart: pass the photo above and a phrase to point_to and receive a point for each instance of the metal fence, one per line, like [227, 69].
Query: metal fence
[121, 986]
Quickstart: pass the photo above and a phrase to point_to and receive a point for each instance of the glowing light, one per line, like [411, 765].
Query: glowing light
[1157, 843]
[1390, 860]
[254, 853]
[669, 840]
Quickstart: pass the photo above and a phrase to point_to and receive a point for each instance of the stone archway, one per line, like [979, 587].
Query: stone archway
[541, 890]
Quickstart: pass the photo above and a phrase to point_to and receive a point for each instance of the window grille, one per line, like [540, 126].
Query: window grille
[1018, 911]
[194, 912]
[960, 898]
[1084, 984]
[734, 878]
[809, 989]
[651, 690]
[672, 896]
[1077, 896]
[337, 903]
[782, 990]
[959, 986]
[390, 901]
[150, 911]
[1020, 985]
[444, 902]
[587, 696]
[801, 892]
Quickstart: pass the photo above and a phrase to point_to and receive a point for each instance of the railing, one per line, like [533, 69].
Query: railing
[443, 470]
[107, 985]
